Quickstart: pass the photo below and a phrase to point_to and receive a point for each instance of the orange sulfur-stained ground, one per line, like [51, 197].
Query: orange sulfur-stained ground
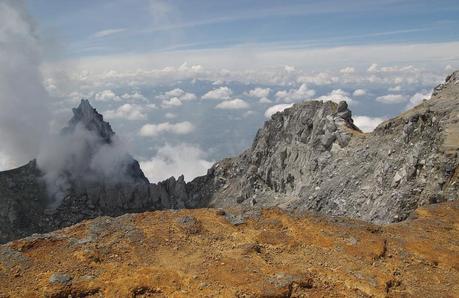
[199, 253]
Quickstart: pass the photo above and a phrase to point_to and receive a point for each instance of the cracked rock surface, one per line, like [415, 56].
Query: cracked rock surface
[311, 157]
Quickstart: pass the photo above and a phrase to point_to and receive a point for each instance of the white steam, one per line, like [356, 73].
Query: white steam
[81, 156]
[24, 102]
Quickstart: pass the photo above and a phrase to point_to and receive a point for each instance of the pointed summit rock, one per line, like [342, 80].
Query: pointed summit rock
[85, 172]
[88, 117]
[105, 160]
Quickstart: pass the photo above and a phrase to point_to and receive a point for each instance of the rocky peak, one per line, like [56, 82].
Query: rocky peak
[311, 157]
[316, 123]
[88, 116]
[451, 84]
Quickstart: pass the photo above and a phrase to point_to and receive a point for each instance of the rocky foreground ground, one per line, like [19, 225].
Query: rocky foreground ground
[211, 252]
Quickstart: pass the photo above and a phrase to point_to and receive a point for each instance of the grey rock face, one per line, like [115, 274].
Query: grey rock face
[86, 115]
[311, 157]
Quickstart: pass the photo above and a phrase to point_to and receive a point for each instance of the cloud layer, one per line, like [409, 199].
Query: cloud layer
[235, 104]
[180, 128]
[183, 159]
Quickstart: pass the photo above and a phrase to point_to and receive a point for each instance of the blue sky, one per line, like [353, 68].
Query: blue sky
[100, 27]
[186, 83]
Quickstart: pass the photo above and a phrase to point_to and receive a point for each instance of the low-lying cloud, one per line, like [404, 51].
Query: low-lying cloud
[277, 108]
[367, 124]
[175, 98]
[294, 95]
[336, 96]
[418, 98]
[127, 112]
[221, 93]
[235, 104]
[179, 128]
[391, 98]
[171, 160]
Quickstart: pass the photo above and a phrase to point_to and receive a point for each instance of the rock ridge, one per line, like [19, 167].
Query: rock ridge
[308, 158]
[311, 157]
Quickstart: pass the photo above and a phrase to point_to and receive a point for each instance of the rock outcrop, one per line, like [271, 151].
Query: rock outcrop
[311, 157]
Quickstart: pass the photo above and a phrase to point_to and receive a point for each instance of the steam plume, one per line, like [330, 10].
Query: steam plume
[24, 102]
[87, 151]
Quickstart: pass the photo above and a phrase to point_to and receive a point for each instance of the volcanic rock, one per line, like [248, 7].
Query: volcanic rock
[273, 255]
[311, 157]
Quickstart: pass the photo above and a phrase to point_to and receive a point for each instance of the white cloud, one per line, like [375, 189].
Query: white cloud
[172, 102]
[235, 104]
[221, 93]
[184, 159]
[277, 108]
[391, 98]
[187, 97]
[170, 115]
[418, 98]
[373, 68]
[258, 58]
[347, 70]
[319, 79]
[259, 92]
[134, 96]
[179, 93]
[106, 95]
[126, 111]
[359, 92]
[265, 100]
[336, 96]
[367, 124]
[302, 93]
[104, 33]
[408, 68]
[175, 98]
[397, 88]
[179, 128]
[289, 68]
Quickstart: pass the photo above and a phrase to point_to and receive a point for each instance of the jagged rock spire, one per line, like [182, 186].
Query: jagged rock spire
[88, 116]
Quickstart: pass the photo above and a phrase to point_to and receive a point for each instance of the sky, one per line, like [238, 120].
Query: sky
[186, 83]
